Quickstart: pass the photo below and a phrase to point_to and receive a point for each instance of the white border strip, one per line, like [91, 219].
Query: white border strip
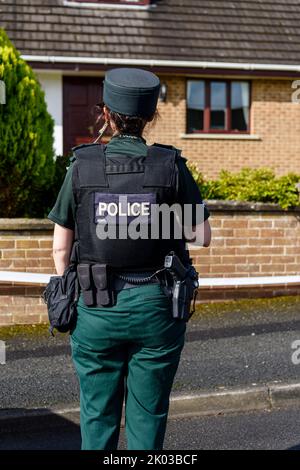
[24, 278]
[248, 281]
[162, 63]
[37, 278]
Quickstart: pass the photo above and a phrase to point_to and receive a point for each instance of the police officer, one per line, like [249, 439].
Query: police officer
[126, 343]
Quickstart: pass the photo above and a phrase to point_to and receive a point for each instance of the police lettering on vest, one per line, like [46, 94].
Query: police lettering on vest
[132, 209]
[123, 208]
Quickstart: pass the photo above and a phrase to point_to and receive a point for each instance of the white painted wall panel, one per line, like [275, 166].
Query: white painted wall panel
[52, 84]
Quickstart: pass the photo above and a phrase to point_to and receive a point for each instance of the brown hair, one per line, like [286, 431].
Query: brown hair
[131, 125]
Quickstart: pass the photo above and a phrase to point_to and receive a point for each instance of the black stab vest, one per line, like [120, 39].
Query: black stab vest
[97, 178]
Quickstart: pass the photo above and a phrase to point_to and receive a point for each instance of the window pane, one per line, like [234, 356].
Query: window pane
[240, 106]
[218, 105]
[195, 105]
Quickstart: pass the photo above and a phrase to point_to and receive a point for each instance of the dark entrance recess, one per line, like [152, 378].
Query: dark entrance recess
[80, 97]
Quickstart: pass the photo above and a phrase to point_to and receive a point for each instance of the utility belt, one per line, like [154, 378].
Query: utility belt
[130, 280]
[100, 284]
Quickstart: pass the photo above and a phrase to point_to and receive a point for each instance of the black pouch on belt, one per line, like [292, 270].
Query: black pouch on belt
[100, 278]
[61, 296]
[85, 281]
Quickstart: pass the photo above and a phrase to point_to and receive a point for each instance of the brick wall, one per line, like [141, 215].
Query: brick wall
[25, 245]
[274, 118]
[248, 240]
[262, 241]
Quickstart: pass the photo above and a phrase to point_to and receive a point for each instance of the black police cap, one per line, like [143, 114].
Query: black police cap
[131, 91]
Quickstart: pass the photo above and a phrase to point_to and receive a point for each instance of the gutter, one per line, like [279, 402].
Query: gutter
[163, 63]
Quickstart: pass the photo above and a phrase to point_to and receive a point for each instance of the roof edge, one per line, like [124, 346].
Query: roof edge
[163, 63]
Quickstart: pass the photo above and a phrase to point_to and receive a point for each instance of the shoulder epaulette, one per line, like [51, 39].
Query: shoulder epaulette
[171, 147]
[82, 146]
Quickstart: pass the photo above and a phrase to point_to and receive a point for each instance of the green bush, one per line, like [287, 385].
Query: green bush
[44, 199]
[62, 162]
[26, 138]
[255, 185]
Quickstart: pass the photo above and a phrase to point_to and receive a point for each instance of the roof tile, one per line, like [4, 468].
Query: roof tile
[264, 31]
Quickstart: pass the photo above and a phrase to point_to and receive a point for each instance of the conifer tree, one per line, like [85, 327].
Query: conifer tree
[26, 137]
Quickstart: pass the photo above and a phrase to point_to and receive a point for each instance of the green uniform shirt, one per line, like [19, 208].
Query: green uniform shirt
[63, 212]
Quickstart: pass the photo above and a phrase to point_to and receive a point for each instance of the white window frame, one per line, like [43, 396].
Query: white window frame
[108, 5]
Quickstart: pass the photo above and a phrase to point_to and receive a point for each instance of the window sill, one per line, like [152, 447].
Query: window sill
[221, 136]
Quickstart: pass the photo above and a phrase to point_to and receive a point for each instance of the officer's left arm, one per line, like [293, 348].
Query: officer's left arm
[198, 231]
[199, 235]
[62, 215]
[62, 246]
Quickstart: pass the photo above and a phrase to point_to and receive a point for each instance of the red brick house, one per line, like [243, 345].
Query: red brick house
[227, 68]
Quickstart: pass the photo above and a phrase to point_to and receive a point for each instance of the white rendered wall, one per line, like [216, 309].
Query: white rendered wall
[52, 84]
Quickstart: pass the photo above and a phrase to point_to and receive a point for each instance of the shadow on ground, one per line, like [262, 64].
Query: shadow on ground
[41, 429]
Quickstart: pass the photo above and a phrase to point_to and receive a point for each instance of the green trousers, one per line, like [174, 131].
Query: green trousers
[130, 351]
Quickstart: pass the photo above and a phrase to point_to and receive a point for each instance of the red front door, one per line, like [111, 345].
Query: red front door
[80, 96]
